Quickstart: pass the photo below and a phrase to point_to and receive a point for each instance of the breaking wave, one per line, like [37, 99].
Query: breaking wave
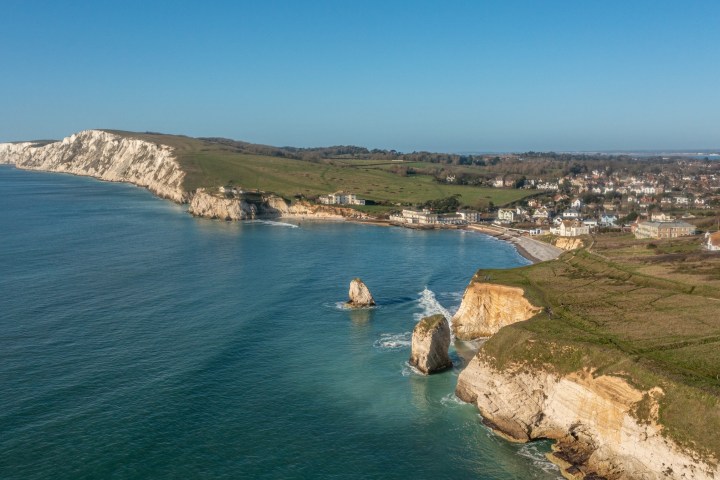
[430, 306]
[408, 370]
[393, 341]
[451, 400]
[532, 452]
[274, 223]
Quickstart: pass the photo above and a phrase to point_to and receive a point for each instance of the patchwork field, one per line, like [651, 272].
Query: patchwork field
[645, 310]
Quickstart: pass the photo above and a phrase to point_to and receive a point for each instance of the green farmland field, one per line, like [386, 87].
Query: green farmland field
[210, 165]
[647, 314]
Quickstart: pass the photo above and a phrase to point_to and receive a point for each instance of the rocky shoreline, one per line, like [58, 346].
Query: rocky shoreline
[590, 416]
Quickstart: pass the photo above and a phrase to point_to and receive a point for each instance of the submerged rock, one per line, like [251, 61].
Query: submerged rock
[360, 296]
[430, 344]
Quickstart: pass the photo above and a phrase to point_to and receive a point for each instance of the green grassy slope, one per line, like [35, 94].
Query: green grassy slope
[636, 315]
[210, 164]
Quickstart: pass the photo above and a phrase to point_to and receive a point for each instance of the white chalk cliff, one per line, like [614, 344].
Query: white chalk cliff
[117, 158]
[106, 156]
[211, 205]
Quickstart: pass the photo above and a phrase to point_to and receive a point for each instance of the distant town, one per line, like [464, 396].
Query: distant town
[670, 200]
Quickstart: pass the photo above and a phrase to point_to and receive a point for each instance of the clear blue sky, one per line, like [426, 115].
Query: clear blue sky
[437, 75]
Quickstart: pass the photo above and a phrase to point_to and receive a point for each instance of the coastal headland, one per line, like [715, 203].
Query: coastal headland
[618, 363]
[615, 359]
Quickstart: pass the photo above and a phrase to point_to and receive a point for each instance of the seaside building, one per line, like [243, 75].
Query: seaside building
[470, 216]
[663, 229]
[507, 215]
[570, 228]
[341, 198]
[413, 216]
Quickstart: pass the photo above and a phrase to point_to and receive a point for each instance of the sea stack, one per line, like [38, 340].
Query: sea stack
[430, 344]
[360, 296]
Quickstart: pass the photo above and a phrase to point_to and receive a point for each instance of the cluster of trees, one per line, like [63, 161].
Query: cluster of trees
[443, 205]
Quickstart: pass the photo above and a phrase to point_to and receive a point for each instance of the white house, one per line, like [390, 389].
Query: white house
[712, 241]
[571, 213]
[661, 217]
[470, 216]
[541, 214]
[570, 228]
[548, 186]
[649, 190]
[507, 215]
[341, 198]
[607, 220]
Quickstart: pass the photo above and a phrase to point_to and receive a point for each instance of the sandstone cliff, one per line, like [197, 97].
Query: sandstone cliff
[430, 344]
[568, 243]
[590, 417]
[486, 308]
[105, 156]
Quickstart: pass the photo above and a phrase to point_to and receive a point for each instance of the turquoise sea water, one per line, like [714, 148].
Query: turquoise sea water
[139, 342]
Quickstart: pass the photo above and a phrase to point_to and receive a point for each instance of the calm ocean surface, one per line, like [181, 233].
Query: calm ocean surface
[138, 342]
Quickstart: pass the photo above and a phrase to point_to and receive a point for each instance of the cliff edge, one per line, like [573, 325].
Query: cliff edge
[487, 307]
[106, 156]
[580, 354]
[591, 418]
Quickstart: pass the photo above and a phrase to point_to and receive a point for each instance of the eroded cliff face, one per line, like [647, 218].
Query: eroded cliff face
[486, 308]
[589, 416]
[105, 156]
[568, 243]
[116, 158]
[211, 205]
[206, 205]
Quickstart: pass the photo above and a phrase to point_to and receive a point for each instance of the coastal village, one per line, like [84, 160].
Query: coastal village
[655, 205]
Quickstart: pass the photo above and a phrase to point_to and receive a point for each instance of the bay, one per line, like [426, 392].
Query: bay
[139, 342]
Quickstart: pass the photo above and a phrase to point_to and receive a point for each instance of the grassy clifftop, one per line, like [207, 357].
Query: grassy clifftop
[211, 164]
[644, 310]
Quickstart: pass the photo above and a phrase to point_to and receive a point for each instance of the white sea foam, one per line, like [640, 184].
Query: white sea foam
[345, 306]
[451, 400]
[393, 341]
[274, 223]
[408, 370]
[538, 458]
[430, 306]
